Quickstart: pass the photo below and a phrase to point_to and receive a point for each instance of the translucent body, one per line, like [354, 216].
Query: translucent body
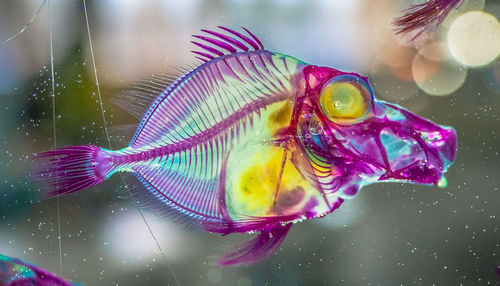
[253, 140]
[268, 183]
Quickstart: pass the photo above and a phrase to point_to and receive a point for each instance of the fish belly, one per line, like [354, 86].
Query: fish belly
[261, 180]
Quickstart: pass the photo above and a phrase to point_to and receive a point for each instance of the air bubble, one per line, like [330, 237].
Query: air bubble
[306, 113]
[315, 125]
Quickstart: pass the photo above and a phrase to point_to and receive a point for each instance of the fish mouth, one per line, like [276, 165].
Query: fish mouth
[422, 159]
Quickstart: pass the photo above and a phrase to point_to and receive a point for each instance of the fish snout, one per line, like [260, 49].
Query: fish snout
[422, 159]
[437, 153]
[444, 143]
[444, 140]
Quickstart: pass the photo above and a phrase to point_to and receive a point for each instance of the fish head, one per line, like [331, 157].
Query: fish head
[352, 139]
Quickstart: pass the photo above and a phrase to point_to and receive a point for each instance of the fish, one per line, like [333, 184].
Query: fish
[15, 272]
[253, 141]
[423, 17]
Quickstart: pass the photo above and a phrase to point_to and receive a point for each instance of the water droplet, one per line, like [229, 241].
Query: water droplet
[315, 125]
[442, 183]
[306, 113]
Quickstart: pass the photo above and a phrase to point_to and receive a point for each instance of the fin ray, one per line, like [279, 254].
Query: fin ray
[137, 98]
[215, 94]
[187, 180]
[139, 192]
[224, 44]
[122, 133]
[262, 246]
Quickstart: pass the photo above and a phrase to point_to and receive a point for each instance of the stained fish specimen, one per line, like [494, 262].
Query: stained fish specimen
[425, 16]
[253, 141]
[15, 272]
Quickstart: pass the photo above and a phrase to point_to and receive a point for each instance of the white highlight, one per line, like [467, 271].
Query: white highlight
[474, 38]
[130, 241]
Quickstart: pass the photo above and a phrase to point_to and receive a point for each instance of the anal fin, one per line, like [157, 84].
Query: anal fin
[262, 246]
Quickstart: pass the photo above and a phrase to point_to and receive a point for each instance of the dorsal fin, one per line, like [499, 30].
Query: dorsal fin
[122, 133]
[222, 44]
[138, 97]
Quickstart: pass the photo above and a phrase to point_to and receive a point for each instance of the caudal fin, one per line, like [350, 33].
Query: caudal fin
[70, 169]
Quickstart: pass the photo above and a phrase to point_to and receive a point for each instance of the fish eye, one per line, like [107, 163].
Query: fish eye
[346, 99]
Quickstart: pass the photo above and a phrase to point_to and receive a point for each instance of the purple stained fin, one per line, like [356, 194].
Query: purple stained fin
[261, 46]
[138, 97]
[220, 105]
[227, 39]
[262, 246]
[218, 44]
[70, 169]
[139, 193]
[15, 272]
[122, 133]
[207, 48]
[249, 224]
[246, 39]
[424, 17]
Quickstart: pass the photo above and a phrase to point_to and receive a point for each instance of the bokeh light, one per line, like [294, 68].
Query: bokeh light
[130, 242]
[435, 73]
[398, 59]
[469, 5]
[474, 38]
[393, 89]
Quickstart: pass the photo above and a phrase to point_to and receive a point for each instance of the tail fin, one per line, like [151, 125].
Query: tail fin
[70, 169]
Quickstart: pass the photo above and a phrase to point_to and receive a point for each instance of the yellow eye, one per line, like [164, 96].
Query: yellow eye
[345, 99]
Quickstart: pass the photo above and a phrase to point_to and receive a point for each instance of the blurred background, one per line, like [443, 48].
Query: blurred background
[390, 234]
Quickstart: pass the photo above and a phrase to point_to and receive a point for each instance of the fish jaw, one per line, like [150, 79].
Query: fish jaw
[417, 150]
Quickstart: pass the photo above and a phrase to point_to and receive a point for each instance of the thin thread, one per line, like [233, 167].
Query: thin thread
[52, 77]
[109, 142]
[25, 26]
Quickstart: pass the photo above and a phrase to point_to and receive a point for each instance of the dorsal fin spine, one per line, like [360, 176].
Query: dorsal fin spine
[223, 44]
[227, 39]
[218, 43]
[202, 59]
[255, 38]
[202, 54]
[254, 45]
[210, 49]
